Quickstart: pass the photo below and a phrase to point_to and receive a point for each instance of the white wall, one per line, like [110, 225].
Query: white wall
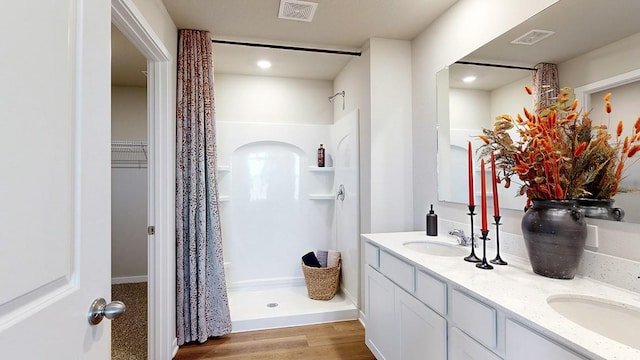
[391, 165]
[469, 109]
[128, 187]
[355, 81]
[466, 26]
[244, 98]
[616, 58]
[128, 113]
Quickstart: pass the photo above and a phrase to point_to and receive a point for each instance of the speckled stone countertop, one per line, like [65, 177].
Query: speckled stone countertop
[521, 294]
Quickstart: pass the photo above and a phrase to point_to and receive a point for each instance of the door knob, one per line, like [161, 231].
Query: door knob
[100, 309]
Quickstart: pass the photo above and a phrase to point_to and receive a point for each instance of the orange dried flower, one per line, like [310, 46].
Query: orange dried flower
[636, 126]
[559, 192]
[529, 115]
[607, 97]
[484, 138]
[528, 89]
[619, 129]
[634, 150]
[607, 107]
[580, 149]
[574, 105]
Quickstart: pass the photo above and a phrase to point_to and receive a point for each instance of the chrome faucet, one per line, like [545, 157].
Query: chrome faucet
[460, 236]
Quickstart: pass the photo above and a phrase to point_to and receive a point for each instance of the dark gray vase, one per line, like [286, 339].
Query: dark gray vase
[600, 209]
[554, 233]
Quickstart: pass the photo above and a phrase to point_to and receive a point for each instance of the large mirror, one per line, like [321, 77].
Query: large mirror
[596, 45]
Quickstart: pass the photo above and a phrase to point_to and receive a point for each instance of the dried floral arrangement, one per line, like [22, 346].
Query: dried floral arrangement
[560, 154]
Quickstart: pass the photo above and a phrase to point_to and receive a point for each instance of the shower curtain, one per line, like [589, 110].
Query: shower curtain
[545, 84]
[202, 304]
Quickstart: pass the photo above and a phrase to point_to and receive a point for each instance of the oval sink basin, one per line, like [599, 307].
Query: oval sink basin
[617, 321]
[436, 248]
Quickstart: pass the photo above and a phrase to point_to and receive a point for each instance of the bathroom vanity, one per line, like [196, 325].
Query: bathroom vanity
[423, 301]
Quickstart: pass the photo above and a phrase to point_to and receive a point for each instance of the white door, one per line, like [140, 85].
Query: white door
[347, 167]
[54, 177]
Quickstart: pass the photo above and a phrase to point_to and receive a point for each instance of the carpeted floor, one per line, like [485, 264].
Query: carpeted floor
[129, 331]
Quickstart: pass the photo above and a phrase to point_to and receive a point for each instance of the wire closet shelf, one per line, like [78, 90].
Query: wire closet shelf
[129, 154]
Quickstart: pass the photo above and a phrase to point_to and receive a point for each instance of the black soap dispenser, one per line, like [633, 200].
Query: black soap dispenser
[432, 223]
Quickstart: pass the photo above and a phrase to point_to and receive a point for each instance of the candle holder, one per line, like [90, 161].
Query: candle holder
[497, 260]
[484, 264]
[472, 257]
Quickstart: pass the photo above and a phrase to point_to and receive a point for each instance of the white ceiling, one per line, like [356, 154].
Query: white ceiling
[127, 63]
[580, 26]
[337, 25]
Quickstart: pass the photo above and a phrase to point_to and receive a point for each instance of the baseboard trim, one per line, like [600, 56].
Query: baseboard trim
[175, 347]
[129, 279]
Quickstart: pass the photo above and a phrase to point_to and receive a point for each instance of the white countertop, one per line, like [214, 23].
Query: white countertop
[520, 293]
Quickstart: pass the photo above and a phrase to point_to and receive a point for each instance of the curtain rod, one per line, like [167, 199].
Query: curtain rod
[282, 47]
[495, 65]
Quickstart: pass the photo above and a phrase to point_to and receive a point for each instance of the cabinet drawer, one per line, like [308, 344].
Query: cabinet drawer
[397, 270]
[462, 347]
[431, 291]
[475, 318]
[371, 255]
[525, 344]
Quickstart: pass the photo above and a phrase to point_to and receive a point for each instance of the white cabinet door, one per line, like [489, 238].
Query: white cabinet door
[525, 344]
[380, 334]
[423, 333]
[55, 178]
[462, 347]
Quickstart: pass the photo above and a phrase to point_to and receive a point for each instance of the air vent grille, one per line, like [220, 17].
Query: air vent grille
[297, 10]
[532, 37]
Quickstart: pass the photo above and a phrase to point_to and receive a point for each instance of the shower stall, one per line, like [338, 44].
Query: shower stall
[276, 204]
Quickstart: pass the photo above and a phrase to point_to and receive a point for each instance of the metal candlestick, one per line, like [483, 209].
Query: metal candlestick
[484, 264]
[472, 257]
[498, 260]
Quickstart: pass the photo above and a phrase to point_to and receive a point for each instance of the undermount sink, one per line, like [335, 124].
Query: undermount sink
[436, 248]
[617, 321]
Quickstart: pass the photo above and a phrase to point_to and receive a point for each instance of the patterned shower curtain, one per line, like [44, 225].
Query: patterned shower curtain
[545, 84]
[202, 305]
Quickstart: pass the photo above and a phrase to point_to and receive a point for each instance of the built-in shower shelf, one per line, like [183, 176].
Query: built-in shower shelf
[321, 196]
[224, 198]
[320, 169]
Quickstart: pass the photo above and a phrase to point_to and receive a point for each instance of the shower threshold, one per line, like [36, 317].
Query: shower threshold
[285, 307]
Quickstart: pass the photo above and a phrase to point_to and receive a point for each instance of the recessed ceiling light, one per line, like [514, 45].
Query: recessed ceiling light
[264, 64]
[469, 79]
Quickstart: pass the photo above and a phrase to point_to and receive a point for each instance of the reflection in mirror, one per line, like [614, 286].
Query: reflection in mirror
[470, 106]
[586, 51]
[625, 89]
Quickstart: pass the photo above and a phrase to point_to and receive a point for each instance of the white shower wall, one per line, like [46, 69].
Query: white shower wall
[269, 215]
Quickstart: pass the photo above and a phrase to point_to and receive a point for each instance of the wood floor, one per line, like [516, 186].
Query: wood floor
[341, 340]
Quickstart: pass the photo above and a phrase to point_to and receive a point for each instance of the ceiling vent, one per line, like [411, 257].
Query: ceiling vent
[532, 37]
[297, 10]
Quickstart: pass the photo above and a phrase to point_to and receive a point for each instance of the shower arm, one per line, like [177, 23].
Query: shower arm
[332, 97]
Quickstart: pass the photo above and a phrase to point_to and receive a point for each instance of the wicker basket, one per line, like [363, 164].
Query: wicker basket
[322, 283]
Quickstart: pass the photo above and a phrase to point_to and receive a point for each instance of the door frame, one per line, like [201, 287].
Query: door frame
[162, 341]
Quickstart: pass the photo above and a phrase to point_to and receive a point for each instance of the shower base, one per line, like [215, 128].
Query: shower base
[285, 307]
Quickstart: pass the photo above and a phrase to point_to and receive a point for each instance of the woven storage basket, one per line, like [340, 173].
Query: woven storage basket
[322, 283]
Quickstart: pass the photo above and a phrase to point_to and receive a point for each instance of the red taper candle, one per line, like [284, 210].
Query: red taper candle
[494, 183]
[470, 156]
[483, 198]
